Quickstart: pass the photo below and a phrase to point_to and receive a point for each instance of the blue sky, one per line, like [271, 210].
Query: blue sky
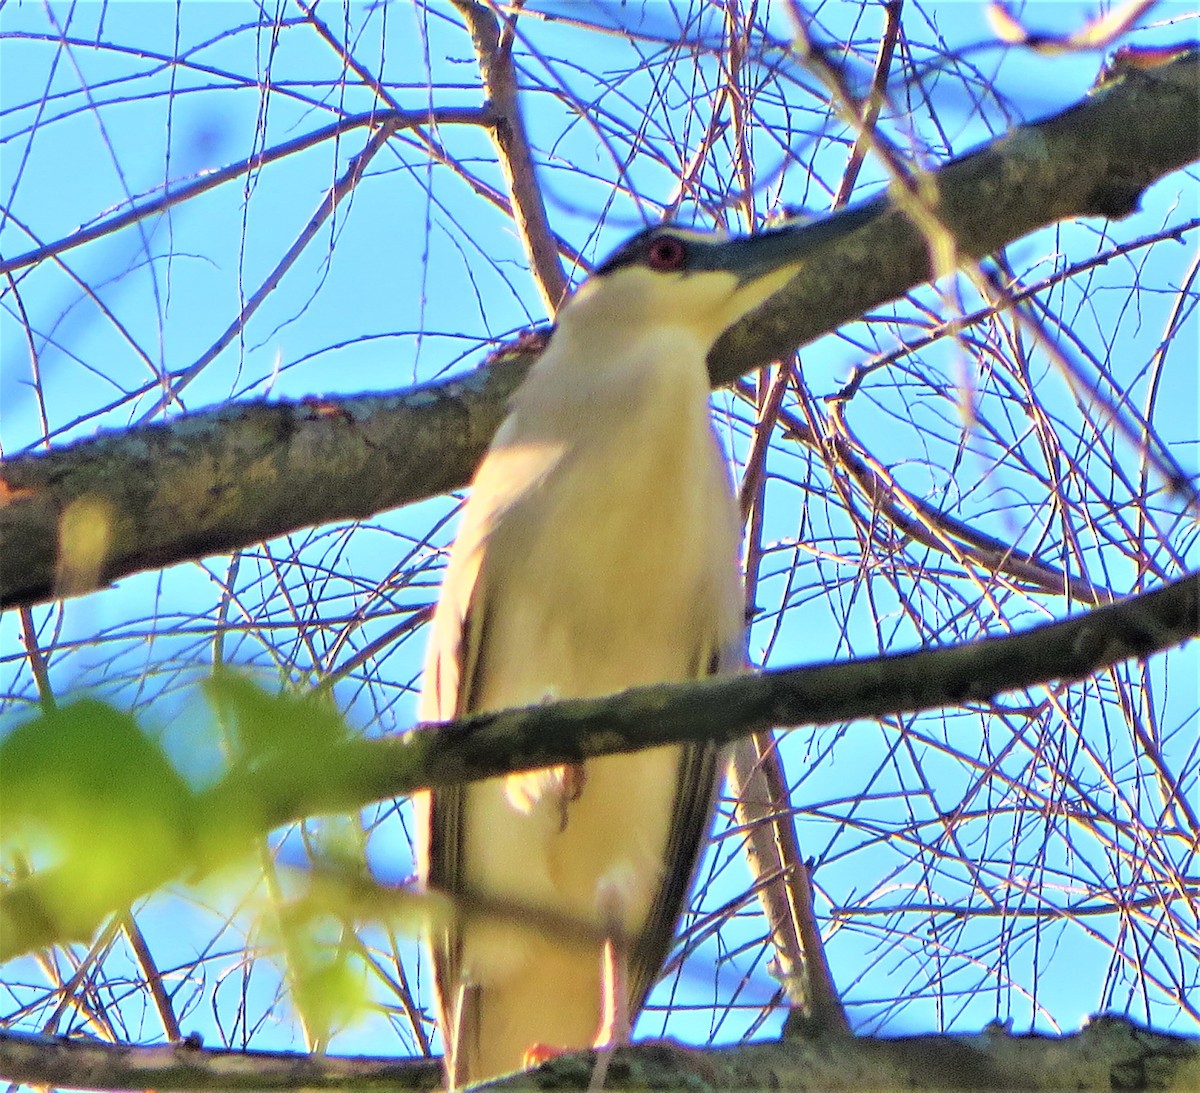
[415, 276]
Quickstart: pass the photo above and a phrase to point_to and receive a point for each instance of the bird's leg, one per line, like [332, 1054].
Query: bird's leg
[562, 785]
[615, 1020]
[614, 1001]
[452, 1044]
[614, 1017]
[574, 778]
[615, 1026]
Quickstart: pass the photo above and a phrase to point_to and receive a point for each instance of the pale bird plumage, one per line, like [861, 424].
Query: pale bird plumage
[598, 551]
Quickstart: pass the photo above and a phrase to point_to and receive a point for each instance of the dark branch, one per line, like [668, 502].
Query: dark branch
[352, 773]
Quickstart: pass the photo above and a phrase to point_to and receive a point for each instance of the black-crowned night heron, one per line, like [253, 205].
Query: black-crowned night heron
[598, 551]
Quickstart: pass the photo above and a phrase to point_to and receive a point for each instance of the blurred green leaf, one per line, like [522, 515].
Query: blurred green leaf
[95, 815]
[284, 745]
[328, 977]
[99, 808]
[264, 725]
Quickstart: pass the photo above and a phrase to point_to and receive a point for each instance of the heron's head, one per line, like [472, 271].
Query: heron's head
[678, 277]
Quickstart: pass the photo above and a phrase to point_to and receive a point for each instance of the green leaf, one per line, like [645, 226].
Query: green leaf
[97, 807]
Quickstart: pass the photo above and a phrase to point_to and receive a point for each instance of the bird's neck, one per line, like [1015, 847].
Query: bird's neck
[603, 368]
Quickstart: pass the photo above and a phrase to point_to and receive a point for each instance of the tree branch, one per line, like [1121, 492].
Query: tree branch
[223, 478]
[92, 1064]
[348, 774]
[1108, 1053]
[723, 708]
[493, 51]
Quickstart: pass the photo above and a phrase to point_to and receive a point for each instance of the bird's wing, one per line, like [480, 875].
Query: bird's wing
[701, 771]
[451, 668]
[458, 639]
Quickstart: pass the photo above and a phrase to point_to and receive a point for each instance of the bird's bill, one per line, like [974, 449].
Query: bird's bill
[761, 264]
[786, 247]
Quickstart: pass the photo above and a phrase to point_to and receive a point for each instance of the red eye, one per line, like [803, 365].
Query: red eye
[666, 254]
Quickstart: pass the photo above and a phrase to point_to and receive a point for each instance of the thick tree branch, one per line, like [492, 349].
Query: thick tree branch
[352, 773]
[1108, 1053]
[224, 478]
[91, 1064]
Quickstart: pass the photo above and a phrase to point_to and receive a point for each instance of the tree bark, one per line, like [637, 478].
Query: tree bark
[1108, 1053]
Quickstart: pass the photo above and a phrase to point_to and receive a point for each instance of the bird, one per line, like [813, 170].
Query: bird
[599, 550]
